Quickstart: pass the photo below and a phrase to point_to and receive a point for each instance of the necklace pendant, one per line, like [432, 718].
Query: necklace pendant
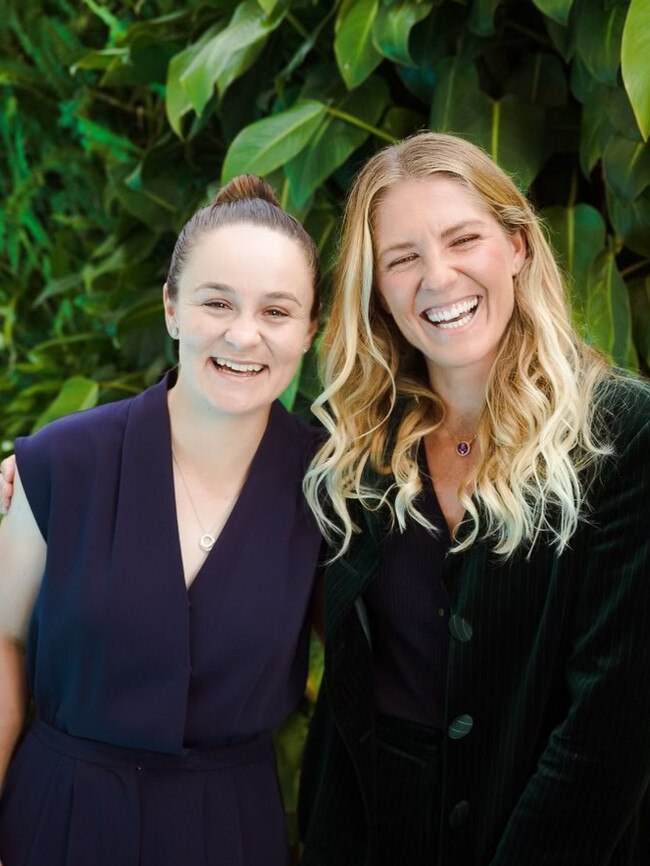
[463, 448]
[206, 541]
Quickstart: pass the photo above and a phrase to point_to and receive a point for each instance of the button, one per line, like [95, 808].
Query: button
[459, 628]
[441, 611]
[460, 727]
[459, 814]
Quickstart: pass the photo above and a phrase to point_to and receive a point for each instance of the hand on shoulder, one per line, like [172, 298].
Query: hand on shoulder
[7, 472]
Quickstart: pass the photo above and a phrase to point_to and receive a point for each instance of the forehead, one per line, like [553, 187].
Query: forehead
[247, 256]
[435, 203]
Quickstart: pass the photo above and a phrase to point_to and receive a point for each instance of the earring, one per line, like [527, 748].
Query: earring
[305, 349]
[173, 332]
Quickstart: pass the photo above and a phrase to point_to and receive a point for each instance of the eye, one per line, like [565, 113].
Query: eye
[276, 313]
[403, 260]
[465, 239]
[216, 305]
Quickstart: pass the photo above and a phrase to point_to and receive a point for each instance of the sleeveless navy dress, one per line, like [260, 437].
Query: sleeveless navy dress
[153, 703]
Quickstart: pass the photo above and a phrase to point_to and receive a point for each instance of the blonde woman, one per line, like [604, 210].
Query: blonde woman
[485, 488]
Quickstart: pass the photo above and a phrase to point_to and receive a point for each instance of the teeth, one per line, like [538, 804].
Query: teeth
[239, 368]
[446, 326]
[448, 313]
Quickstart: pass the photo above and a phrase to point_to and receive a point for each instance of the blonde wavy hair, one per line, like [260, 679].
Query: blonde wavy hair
[538, 432]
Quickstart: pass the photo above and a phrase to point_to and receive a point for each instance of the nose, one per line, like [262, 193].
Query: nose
[242, 331]
[439, 271]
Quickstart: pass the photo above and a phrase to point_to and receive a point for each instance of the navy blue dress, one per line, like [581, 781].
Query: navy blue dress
[153, 702]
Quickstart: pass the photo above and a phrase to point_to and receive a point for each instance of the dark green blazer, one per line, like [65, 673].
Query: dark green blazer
[546, 757]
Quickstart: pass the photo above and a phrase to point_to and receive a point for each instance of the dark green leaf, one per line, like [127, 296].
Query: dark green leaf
[639, 291]
[595, 130]
[248, 26]
[178, 102]
[557, 10]
[608, 319]
[635, 54]
[578, 236]
[599, 29]
[627, 167]
[631, 220]
[273, 141]
[354, 48]
[336, 139]
[481, 17]
[393, 25]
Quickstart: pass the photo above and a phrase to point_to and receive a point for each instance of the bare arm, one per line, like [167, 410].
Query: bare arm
[22, 561]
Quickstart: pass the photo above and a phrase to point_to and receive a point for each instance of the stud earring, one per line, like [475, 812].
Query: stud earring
[173, 332]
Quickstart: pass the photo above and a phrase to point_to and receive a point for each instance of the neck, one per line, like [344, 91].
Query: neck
[462, 392]
[216, 441]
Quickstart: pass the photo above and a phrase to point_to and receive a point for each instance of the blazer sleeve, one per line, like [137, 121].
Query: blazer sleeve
[593, 773]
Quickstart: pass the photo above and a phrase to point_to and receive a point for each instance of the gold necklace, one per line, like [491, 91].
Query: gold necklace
[207, 540]
[462, 445]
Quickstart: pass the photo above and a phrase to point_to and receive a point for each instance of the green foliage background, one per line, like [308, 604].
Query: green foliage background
[118, 119]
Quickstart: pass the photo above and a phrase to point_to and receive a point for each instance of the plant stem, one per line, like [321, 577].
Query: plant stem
[355, 121]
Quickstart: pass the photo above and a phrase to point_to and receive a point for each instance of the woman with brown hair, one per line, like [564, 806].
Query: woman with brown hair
[485, 490]
[156, 570]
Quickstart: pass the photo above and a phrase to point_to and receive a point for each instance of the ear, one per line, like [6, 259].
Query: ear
[169, 305]
[170, 309]
[519, 251]
[311, 333]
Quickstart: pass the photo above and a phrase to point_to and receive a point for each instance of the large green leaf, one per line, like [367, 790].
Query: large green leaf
[557, 10]
[599, 29]
[481, 17]
[578, 236]
[595, 131]
[540, 79]
[635, 65]
[627, 167]
[336, 138]
[457, 97]
[354, 47]
[608, 319]
[393, 25]
[248, 26]
[177, 100]
[631, 220]
[273, 141]
[76, 393]
[639, 291]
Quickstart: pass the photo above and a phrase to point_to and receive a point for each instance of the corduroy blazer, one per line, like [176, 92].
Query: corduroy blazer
[546, 754]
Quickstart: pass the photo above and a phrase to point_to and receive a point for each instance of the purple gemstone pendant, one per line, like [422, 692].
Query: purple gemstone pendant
[463, 448]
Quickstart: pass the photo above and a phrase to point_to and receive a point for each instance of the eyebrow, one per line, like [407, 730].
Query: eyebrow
[450, 230]
[270, 296]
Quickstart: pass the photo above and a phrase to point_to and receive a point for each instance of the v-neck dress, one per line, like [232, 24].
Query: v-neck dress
[153, 702]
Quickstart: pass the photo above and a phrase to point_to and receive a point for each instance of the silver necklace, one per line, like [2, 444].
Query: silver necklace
[207, 540]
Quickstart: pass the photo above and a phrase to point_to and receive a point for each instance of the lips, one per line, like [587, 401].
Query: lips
[453, 315]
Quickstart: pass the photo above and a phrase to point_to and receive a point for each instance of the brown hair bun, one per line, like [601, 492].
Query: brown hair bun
[245, 186]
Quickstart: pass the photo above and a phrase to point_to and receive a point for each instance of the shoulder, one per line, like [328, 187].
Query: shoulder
[621, 421]
[79, 433]
[622, 407]
[308, 437]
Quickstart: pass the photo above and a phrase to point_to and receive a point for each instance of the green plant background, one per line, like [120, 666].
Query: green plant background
[118, 119]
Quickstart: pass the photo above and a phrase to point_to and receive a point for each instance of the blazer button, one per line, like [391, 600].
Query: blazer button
[459, 628]
[459, 814]
[460, 727]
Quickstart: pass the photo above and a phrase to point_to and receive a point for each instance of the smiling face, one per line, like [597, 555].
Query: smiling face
[243, 313]
[445, 272]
